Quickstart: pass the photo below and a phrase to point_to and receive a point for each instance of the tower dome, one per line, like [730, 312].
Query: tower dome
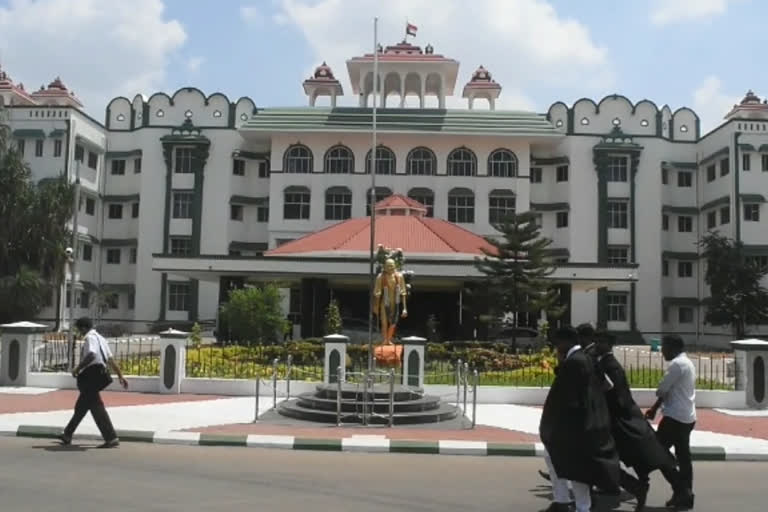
[482, 85]
[751, 107]
[322, 83]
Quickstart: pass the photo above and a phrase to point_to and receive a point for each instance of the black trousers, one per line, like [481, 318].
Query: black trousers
[675, 433]
[90, 400]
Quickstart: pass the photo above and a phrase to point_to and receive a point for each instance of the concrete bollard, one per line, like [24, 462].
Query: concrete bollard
[414, 348]
[335, 358]
[751, 359]
[173, 358]
[16, 357]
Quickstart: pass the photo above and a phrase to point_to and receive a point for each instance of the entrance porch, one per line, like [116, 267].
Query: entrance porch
[441, 287]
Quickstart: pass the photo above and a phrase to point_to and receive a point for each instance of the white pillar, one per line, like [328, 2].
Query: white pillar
[18, 342]
[333, 99]
[441, 97]
[751, 358]
[423, 92]
[173, 360]
[492, 101]
[413, 361]
[312, 98]
[471, 101]
[335, 357]
[402, 91]
[583, 305]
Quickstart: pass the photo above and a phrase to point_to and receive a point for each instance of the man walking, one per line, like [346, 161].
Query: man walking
[677, 398]
[575, 429]
[92, 376]
[635, 439]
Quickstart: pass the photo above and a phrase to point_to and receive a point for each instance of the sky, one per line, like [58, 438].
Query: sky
[703, 54]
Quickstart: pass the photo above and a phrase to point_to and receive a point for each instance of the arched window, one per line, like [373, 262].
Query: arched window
[339, 160]
[501, 204]
[502, 163]
[381, 194]
[461, 206]
[421, 162]
[297, 159]
[426, 197]
[462, 162]
[338, 203]
[385, 161]
[296, 202]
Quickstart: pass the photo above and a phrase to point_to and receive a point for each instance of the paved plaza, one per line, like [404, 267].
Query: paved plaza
[741, 434]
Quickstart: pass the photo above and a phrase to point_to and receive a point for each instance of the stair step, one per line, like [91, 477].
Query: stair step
[424, 403]
[293, 409]
[356, 392]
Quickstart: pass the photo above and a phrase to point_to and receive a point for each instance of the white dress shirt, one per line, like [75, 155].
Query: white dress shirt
[678, 390]
[95, 344]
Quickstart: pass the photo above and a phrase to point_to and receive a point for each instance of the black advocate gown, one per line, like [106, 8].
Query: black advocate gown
[576, 426]
[635, 439]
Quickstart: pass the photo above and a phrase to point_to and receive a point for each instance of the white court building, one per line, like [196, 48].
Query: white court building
[185, 195]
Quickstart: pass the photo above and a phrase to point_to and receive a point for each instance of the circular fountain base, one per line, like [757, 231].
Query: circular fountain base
[409, 406]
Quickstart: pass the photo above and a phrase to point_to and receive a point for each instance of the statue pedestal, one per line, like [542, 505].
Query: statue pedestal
[335, 358]
[414, 348]
[751, 359]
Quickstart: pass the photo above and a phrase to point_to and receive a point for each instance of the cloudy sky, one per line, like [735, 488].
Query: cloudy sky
[698, 53]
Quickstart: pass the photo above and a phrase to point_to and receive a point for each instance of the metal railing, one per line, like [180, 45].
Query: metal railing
[140, 356]
[136, 356]
[365, 409]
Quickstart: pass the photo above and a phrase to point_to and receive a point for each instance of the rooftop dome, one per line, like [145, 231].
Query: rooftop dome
[323, 72]
[481, 75]
[57, 84]
[751, 107]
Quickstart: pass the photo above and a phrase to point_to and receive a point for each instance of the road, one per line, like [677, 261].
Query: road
[41, 476]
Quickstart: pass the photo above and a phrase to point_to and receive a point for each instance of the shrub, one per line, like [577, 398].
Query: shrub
[333, 323]
[255, 314]
[195, 335]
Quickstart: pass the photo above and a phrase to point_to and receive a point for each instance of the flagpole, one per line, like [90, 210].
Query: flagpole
[372, 196]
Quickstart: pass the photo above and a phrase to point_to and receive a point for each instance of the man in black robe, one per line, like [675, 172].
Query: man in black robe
[636, 441]
[575, 428]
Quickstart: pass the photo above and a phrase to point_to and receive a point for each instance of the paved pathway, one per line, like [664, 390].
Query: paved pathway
[735, 431]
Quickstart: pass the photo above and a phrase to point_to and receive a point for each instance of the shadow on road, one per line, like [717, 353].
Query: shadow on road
[63, 448]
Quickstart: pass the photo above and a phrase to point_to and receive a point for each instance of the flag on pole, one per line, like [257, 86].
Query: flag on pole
[410, 29]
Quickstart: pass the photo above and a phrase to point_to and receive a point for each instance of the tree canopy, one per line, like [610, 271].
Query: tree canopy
[517, 269]
[737, 297]
[33, 233]
[255, 314]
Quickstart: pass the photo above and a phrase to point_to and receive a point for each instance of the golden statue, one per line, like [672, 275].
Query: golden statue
[389, 296]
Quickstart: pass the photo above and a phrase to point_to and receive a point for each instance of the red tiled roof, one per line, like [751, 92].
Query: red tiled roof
[413, 234]
[398, 201]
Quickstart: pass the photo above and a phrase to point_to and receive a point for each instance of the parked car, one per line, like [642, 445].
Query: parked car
[523, 337]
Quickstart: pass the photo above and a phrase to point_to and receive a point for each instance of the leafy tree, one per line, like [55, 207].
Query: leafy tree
[33, 233]
[737, 297]
[333, 323]
[517, 270]
[255, 314]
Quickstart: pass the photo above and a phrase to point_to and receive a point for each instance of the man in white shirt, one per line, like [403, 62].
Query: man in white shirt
[677, 398]
[95, 361]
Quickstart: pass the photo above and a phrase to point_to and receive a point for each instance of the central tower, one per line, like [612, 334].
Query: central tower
[404, 69]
